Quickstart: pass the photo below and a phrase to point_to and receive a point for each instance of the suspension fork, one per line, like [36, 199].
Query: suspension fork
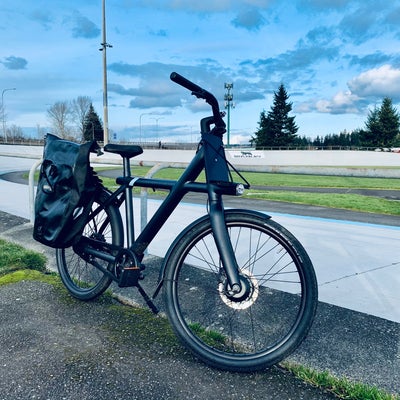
[222, 240]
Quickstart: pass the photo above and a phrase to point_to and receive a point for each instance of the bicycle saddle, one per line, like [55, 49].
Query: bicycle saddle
[124, 150]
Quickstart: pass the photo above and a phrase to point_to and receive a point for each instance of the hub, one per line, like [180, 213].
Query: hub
[246, 297]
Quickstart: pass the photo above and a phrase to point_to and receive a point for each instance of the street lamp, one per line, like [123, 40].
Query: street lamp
[140, 125]
[4, 113]
[228, 105]
[157, 119]
[103, 48]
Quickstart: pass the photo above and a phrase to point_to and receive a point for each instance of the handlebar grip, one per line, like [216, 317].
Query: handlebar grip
[180, 80]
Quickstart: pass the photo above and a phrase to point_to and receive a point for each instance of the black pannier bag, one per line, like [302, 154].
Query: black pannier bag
[65, 192]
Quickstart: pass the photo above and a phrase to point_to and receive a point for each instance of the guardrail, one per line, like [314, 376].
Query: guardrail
[32, 171]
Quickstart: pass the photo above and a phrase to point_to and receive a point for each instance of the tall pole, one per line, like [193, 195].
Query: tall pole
[4, 112]
[157, 119]
[228, 105]
[140, 125]
[103, 48]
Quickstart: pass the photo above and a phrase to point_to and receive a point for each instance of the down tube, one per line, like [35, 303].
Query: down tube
[169, 204]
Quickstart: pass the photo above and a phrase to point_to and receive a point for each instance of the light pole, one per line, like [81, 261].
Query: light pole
[103, 48]
[157, 119]
[4, 112]
[228, 105]
[140, 125]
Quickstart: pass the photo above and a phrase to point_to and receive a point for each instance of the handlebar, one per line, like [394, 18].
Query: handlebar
[180, 80]
[201, 93]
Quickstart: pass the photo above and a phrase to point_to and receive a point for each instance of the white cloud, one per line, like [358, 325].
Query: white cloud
[364, 89]
[343, 102]
[377, 82]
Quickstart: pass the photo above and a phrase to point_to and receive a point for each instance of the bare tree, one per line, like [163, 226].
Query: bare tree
[59, 115]
[79, 109]
[15, 132]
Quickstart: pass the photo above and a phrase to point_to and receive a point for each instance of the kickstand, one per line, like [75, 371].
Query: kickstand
[147, 299]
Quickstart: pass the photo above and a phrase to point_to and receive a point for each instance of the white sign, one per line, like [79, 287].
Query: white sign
[246, 154]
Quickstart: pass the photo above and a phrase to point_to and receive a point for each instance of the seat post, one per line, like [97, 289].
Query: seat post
[126, 166]
[129, 214]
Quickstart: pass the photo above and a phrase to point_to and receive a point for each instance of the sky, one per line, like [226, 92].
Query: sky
[336, 58]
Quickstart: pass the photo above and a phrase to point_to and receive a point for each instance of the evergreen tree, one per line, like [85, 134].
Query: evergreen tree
[382, 126]
[277, 128]
[370, 136]
[92, 126]
[389, 120]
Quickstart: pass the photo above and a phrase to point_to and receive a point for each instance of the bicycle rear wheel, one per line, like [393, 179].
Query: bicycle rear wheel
[258, 327]
[82, 279]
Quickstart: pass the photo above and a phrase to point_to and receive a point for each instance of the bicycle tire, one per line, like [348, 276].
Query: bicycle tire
[82, 279]
[253, 330]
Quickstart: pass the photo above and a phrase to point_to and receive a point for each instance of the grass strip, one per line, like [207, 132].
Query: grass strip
[341, 387]
[354, 202]
[14, 257]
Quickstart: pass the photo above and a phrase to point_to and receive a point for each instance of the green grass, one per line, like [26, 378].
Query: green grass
[296, 180]
[322, 181]
[14, 257]
[341, 387]
[352, 202]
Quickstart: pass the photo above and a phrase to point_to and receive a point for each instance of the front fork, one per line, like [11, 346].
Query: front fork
[223, 241]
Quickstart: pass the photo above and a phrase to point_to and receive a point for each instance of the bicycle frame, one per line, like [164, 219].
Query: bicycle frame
[177, 190]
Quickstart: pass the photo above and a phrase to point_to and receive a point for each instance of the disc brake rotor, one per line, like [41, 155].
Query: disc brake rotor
[246, 297]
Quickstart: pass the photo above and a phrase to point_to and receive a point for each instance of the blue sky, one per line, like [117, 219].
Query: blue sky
[336, 58]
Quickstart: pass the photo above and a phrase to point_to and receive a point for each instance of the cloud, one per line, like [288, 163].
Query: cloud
[364, 89]
[344, 102]
[251, 19]
[370, 60]
[158, 33]
[14, 63]
[322, 5]
[82, 27]
[153, 93]
[42, 17]
[377, 83]
[206, 6]
[363, 23]
[291, 64]
[154, 88]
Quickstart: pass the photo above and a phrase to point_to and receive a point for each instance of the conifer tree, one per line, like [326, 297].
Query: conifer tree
[382, 126]
[93, 128]
[277, 128]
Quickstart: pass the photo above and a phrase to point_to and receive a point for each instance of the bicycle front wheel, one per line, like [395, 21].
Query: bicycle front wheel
[267, 320]
[82, 279]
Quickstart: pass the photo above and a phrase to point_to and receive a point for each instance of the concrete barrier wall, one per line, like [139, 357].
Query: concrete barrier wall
[328, 162]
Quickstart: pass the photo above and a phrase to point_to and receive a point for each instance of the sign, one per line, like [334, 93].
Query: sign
[251, 154]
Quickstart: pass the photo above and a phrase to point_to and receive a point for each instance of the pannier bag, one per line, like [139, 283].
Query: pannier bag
[65, 192]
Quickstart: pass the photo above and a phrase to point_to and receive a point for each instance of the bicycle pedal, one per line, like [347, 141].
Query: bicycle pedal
[130, 276]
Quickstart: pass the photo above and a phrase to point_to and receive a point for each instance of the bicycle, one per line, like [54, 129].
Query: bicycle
[240, 290]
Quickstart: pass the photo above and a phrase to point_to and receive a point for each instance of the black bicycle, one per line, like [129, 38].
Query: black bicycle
[240, 290]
